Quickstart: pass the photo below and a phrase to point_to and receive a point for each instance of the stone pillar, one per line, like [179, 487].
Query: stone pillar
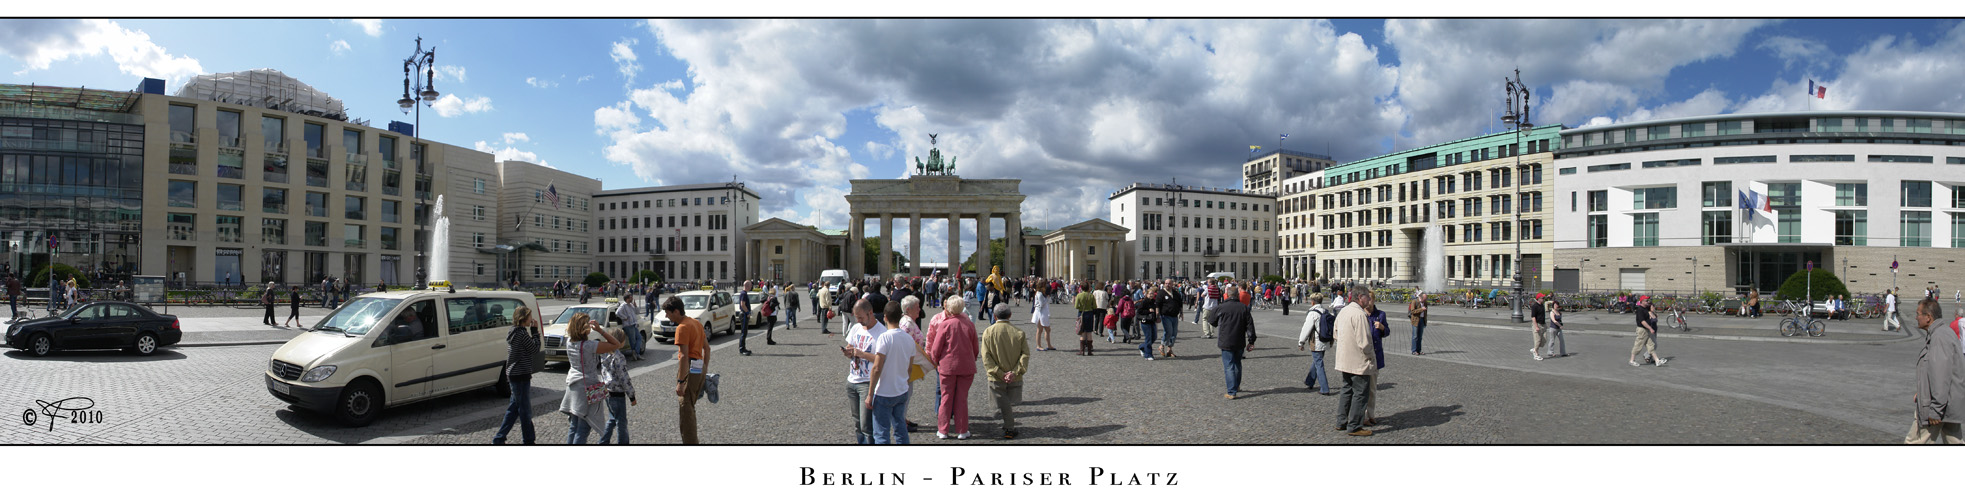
[914, 243]
[850, 254]
[982, 244]
[955, 245]
[1016, 260]
[883, 256]
[1077, 259]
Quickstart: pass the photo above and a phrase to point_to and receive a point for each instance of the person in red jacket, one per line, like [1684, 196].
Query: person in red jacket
[952, 345]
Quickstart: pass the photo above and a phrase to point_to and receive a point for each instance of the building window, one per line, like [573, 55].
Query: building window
[1599, 231]
[183, 194]
[1655, 198]
[1785, 199]
[391, 211]
[273, 231]
[1592, 168]
[230, 228]
[1852, 227]
[1659, 132]
[1820, 158]
[1727, 160]
[316, 234]
[389, 238]
[1917, 194]
[316, 137]
[1729, 127]
[1715, 227]
[273, 200]
[1599, 201]
[1958, 230]
[353, 209]
[1899, 158]
[182, 227]
[1917, 229]
[352, 236]
[316, 204]
[477, 186]
[229, 197]
[1644, 229]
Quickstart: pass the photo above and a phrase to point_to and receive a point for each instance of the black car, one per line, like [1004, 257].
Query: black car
[97, 325]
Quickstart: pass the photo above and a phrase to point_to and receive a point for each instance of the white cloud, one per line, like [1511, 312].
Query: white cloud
[537, 82]
[450, 106]
[1790, 50]
[879, 151]
[510, 153]
[583, 79]
[623, 54]
[448, 72]
[339, 47]
[39, 43]
[373, 27]
[516, 137]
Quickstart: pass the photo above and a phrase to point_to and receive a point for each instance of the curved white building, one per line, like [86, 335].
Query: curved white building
[1657, 205]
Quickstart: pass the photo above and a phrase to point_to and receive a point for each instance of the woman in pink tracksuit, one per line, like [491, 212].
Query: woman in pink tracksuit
[952, 344]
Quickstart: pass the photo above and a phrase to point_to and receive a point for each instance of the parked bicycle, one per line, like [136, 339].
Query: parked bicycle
[1675, 318]
[1800, 321]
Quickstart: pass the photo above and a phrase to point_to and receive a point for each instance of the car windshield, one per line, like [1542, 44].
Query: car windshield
[567, 315]
[357, 316]
[695, 302]
[831, 280]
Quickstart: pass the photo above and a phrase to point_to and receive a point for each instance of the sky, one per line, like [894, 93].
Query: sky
[1075, 108]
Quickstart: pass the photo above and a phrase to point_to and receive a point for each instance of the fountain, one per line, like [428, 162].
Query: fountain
[1433, 270]
[439, 244]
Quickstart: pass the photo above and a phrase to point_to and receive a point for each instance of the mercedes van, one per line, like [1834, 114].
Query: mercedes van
[388, 349]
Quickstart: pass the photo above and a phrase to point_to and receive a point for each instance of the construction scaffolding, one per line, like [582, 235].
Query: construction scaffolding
[266, 88]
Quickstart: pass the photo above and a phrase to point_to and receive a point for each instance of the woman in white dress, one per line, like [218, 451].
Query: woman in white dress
[1040, 315]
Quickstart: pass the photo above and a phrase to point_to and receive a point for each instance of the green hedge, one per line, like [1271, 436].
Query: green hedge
[596, 279]
[40, 277]
[1824, 284]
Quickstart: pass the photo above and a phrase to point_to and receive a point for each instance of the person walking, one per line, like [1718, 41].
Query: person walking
[1557, 348]
[1237, 327]
[1101, 305]
[952, 346]
[620, 392]
[1940, 382]
[584, 391]
[1647, 332]
[887, 395]
[692, 355]
[821, 308]
[1087, 307]
[859, 372]
[1210, 299]
[920, 365]
[1352, 343]
[1124, 308]
[769, 310]
[1005, 355]
[521, 361]
[1539, 314]
[13, 295]
[1040, 315]
[791, 308]
[1170, 306]
[266, 300]
[1149, 322]
[1416, 314]
[744, 318]
[631, 326]
[293, 307]
[1891, 322]
[1380, 329]
[653, 301]
[1318, 324]
[1753, 302]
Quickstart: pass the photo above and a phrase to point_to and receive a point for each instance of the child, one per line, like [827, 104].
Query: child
[620, 391]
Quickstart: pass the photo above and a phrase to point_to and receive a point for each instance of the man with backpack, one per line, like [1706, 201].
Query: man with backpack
[1317, 332]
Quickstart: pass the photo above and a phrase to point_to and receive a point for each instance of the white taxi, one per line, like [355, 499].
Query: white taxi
[554, 335]
[715, 309]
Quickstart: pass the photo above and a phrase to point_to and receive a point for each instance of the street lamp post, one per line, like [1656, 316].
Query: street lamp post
[419, 88]
[1518, 94]
[1173, 199]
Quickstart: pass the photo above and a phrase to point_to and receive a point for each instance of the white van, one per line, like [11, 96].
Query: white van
[387, 349]
[1221, 274]
[832, 279]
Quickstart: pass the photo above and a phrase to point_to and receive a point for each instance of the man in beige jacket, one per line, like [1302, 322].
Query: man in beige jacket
[1352, 347]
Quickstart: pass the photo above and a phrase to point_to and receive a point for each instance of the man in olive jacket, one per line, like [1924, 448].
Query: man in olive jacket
[1356, 361]
[1005, 353]
[1237, 335]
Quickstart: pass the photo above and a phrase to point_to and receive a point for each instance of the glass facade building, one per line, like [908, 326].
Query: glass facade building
[71, 180]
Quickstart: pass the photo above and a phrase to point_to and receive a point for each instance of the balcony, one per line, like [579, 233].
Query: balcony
[48, 145]
[183, 139]
[354, 243]
[231, 172]
[230, 145]
[357, 159]
[276, 149]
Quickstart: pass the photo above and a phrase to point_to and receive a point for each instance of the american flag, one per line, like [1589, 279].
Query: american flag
[552, 194]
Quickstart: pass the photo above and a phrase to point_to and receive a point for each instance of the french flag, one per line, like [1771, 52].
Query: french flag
[1818, 92]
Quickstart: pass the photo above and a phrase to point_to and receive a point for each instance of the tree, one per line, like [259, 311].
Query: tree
[1822, 285]
[996, 253]
[40, 278]
[872, 246]
[648, 276]
[596, 279]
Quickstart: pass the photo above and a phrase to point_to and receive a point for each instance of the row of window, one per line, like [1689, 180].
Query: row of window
[1716, 227]
[1224, 223]
[1773, 125]
[1420, 162]
[665, 243]
[566, 202]
[1161, 269]
[1418, 189]
[1720, 194]
[670, 270]
[230, 229]
[716, 222]
[1751, 142]
[666, 202]
[1205, 245]
[1173, 200]
[184, 194]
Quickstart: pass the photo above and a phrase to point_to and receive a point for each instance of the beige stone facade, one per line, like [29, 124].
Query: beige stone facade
[929, 197]
[564, 229]
[688, 232]
[1091, 250]
[783, 251]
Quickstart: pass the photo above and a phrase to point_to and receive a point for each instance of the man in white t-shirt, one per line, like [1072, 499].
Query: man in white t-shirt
[893, 351]
[1890, 321]
[859, 373]
[630, 324]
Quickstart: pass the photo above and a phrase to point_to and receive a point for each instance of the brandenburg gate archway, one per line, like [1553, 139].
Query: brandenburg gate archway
[930, 197]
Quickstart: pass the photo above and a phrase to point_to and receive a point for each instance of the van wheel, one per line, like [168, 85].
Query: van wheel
[503, 388]
[359, 404]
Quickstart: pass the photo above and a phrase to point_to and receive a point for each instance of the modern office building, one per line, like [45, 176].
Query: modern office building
[549, 219]
[1189, 231]
[1657, 205]
[1263, 174]
[1296, 226]
[1373, 217]
[71, 178]
[685, 232]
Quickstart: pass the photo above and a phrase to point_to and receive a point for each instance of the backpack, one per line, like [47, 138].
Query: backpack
[1325, 326]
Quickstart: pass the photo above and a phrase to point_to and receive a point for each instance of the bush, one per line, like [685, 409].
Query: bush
[1798, 284]
[647, 276]
[40, 278]
[596, 279]
[1272, 279]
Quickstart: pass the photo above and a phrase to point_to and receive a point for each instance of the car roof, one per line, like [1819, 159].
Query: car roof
[418, 294]
[696, 292]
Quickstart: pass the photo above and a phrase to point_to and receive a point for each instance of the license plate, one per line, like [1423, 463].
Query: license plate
[283, 388]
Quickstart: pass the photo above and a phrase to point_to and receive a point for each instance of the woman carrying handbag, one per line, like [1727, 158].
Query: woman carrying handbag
[585, 393]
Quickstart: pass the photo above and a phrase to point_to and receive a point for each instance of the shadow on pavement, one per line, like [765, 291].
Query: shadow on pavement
[1026, 432]
[1423, 417]
[1062, 400]
[100, 356]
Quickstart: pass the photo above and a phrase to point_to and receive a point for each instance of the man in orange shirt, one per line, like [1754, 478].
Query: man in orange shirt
[692, 361]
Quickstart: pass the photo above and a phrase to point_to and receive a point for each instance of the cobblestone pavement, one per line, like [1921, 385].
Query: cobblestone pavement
[1474, 386]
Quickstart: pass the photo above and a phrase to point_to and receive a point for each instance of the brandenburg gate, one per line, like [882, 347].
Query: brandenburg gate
[935, 192]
